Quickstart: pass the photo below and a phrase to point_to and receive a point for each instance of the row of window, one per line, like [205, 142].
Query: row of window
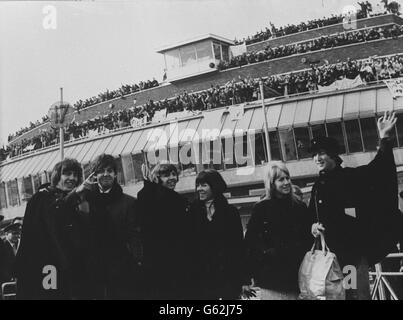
[195, 53]
[356, 135]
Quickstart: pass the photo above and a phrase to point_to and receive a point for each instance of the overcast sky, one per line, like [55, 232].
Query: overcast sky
[99, 45]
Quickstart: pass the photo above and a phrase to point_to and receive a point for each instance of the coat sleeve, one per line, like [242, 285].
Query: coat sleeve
[382, 166]
[238, 248]
[24, 270]
[252, 244]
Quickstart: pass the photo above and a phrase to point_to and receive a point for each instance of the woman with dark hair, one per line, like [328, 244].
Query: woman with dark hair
[164, 229]
[217, 236]
[49, 263]
[277, 237]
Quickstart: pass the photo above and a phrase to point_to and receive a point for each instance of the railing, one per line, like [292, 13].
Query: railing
[316, 29]
[382, 286]
[8, 291]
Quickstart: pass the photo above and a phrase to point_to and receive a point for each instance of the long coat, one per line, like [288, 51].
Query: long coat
[164, 228]
[358, 208]
[217, 251]
[7, 261]
[114, 251]
[52, 235]
[277, 238]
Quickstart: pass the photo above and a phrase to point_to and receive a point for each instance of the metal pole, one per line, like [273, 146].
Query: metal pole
[61, 131]
[266, 127]
[378, 270]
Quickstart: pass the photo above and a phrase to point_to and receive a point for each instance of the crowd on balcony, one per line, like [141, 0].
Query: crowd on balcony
[31, 126]
[234, 92]
[325, 42]
[366, 10]
[102, 97]
[109, 95]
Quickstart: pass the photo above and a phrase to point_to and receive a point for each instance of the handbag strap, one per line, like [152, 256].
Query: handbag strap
[325, 248]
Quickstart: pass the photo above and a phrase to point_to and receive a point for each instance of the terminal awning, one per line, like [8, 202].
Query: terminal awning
[398, 104]
[384, 100]
[94, 146]
[28, 168]
[190, 132]
[228, 127]
[287, 115]
[21, 171]
[112, 145]
[142, 142]
[123, 142]
[243, 125]
[54, 157]
[210, 127]
[367, 103]
[77, 151]
[334, 109]
[12, 170]
[101, 149]
[302, 113]
[178, 133]
[38, 162]
[318, 113]
[351, 105]
[84, 151]
[160, 137]
[257, 120]
[132, 142]
[273, 115]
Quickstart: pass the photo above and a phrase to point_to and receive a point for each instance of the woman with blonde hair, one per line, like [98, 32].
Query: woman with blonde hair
[277, 237]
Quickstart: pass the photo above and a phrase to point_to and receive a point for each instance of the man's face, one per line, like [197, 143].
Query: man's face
[13, 236]
[68, 181]
[169, 180]
[323, 161]
[106, 177]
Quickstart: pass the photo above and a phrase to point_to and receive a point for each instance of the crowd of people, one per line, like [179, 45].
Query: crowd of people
[105, 244]
[29, 128]
[234, 92]
[208, 98]
[102, 97]
[366, 10]
[325, 42]
[109, 95]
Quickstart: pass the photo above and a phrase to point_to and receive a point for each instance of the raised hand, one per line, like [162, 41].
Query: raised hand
[86, 185]
[146, 172]
[386, 123]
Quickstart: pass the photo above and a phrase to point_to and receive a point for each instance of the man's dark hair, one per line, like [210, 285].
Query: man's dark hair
[65, 166]
[103, 161]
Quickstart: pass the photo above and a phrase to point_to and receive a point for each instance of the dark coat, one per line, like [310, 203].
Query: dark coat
[7, 262]
[277, 238]
[370, 193]
[52, 235]
[217, 251]
[114, 253]
[164, 227]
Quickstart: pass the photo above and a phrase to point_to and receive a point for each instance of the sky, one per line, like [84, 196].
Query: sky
[87, 47]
